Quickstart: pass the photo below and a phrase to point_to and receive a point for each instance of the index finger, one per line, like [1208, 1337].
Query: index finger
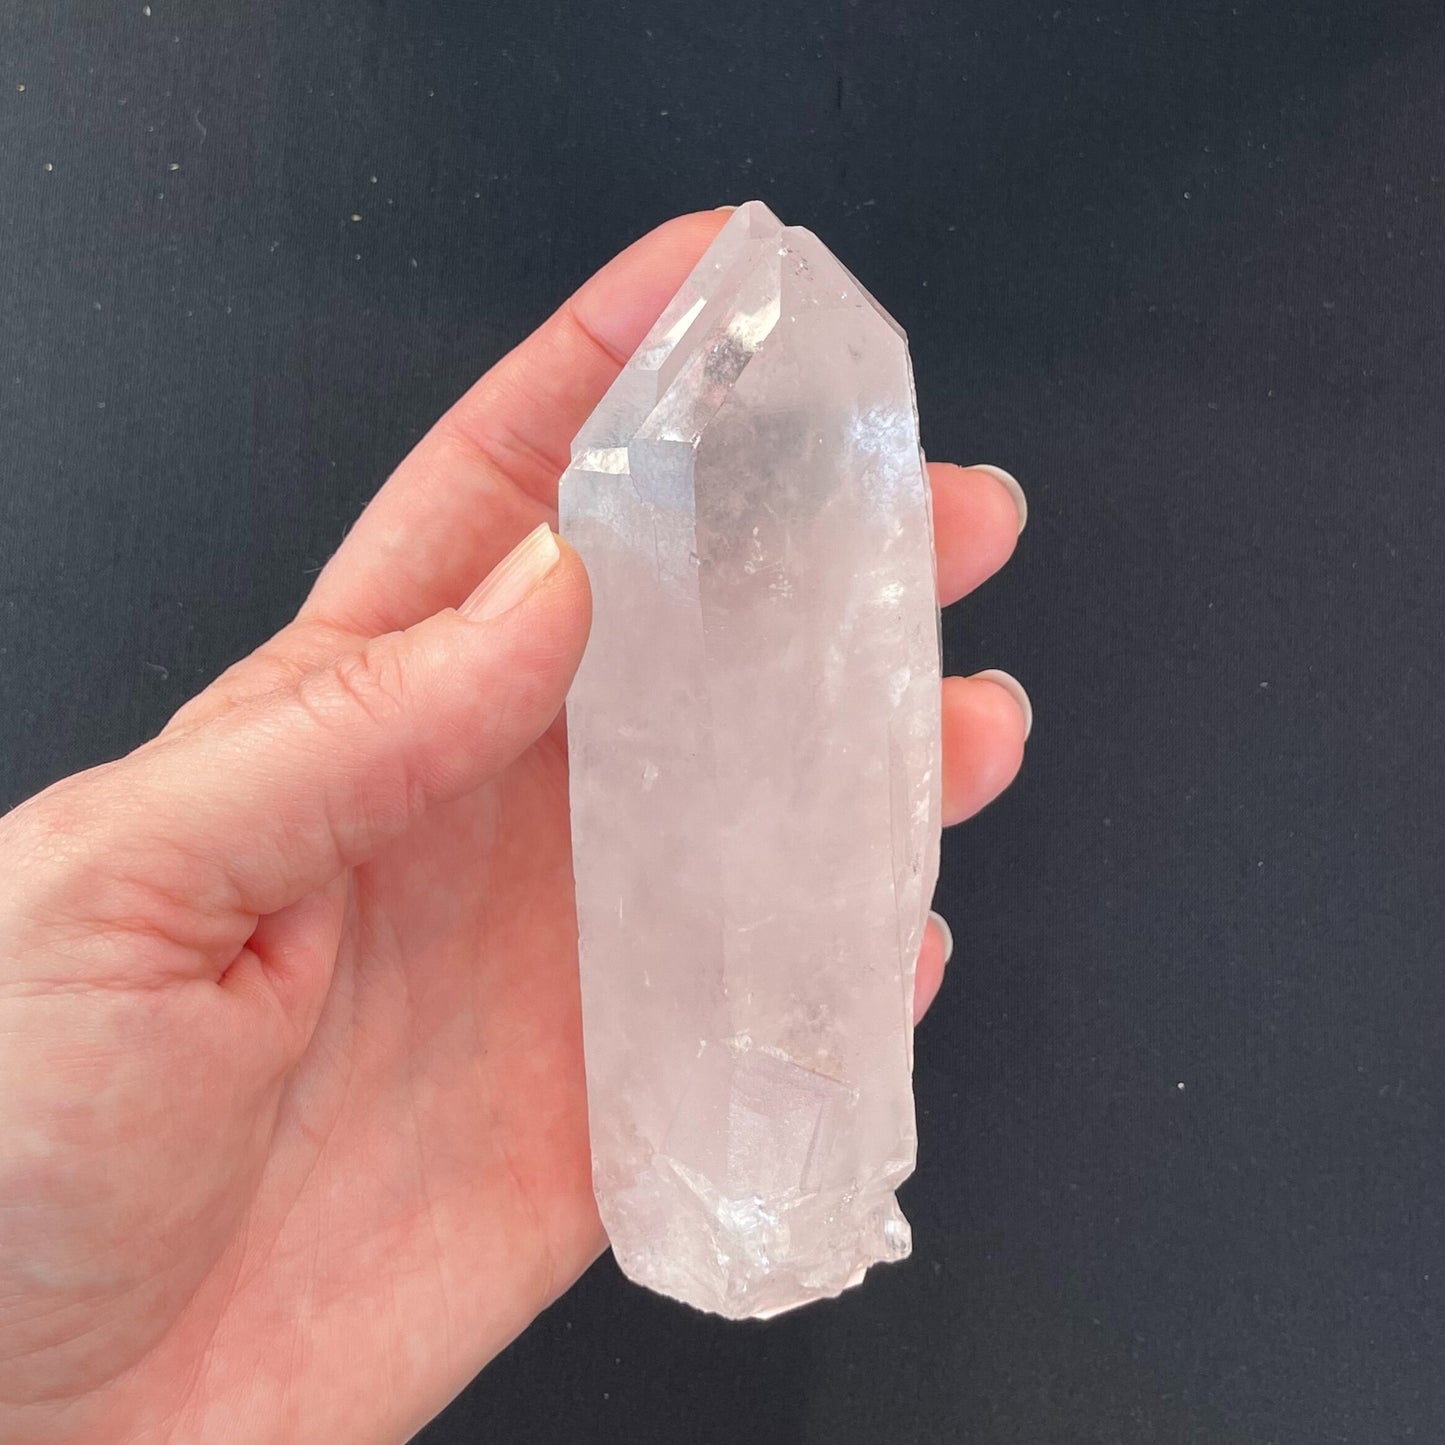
[487, 472]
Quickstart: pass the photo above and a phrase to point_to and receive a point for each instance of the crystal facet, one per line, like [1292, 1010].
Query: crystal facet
[754, 739]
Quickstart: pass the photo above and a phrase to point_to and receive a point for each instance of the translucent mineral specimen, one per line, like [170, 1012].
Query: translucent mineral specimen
[754, 740]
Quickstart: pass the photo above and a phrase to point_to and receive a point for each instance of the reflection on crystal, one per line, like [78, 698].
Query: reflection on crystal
[754, 739]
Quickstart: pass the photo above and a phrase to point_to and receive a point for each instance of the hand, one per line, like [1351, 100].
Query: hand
[292, 1119]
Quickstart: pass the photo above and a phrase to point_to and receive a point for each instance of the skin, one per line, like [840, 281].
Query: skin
[292, 1116]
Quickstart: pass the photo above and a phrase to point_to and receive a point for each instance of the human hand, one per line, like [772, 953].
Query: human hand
[292, 1117]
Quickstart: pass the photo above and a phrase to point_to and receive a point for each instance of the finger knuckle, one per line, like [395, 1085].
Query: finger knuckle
[276, 668]
[370, 682]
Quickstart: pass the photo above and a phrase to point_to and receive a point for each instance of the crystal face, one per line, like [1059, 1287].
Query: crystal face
[754, 741]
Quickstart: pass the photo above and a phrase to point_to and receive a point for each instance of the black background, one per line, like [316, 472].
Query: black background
[1180, 267]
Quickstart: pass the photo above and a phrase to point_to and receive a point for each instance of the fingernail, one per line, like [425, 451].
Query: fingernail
[1011, 486]
[941, 924]
[511, 581]
[1015, 689]
[724, 208]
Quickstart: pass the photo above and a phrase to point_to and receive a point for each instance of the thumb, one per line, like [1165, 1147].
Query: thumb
[253, 810]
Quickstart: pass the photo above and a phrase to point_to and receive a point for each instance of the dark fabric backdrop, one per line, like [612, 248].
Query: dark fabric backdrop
[1179, 266]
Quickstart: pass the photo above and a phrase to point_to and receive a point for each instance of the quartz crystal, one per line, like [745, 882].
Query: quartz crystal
[754, 739]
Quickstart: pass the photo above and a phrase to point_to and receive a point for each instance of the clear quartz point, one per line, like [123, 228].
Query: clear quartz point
[754, 740]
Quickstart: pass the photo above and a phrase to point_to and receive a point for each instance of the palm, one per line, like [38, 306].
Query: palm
[460, 1109]
[430, 1160]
